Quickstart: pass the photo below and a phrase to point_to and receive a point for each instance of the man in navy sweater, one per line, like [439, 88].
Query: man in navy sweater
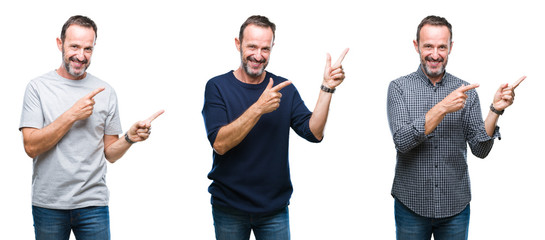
[248, 128]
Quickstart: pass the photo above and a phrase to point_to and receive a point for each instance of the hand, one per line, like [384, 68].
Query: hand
[140, 131]
[83, 108]
[334, 75]
[456, 100]
[505, 95]
[270, 98]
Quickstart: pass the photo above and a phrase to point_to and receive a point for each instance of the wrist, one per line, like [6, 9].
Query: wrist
[128, 139]
[255, 110]
[70, 116]
[496, 111]
[327, 89]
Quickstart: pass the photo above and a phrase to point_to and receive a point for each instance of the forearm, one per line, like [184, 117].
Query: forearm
[490, 123]
[433, 118]
[116, 149]
[230, 135]
[38, 141]
[319, 115]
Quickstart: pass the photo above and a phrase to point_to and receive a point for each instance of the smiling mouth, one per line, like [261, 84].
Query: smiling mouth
[77, 63]
[434, 62]
[255, 64]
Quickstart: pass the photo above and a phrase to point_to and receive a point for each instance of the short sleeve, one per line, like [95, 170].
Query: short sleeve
[113, 122]
[32, 113]
[300, 117]
[214, 111]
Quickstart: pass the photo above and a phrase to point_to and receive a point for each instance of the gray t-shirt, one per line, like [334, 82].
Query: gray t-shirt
[72, 174]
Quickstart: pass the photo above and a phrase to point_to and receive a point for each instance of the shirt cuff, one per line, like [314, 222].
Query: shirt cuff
[420, 129]
[483, 136]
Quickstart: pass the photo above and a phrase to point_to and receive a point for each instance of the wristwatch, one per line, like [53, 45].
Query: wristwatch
[326, 89]
[495, 110]
[128, 139]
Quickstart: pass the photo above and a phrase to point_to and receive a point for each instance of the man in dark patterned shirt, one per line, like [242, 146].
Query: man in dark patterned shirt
[433, 116]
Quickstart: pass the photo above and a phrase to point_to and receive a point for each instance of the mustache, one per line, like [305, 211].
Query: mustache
[429, 58]
[73, 58]
[251, 58]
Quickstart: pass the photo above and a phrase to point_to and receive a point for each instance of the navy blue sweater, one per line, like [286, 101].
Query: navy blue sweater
[254, 176]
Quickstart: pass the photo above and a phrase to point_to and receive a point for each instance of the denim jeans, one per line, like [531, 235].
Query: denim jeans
[410, 226]
[232, 224]
[91, 223]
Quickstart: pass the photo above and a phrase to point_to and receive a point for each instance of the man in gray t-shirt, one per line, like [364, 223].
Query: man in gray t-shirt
[70, 125]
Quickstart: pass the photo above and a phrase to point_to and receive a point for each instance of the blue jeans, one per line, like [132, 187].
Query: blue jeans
[410, 226]
[231, 224]
[91, 223]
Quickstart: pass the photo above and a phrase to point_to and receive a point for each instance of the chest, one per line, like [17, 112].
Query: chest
[58, 98]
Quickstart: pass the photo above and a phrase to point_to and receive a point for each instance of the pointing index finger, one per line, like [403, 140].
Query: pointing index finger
[155, 115]
[280, 86]
[516, 84]
[341, 58]
[95, 92]
[469, 87]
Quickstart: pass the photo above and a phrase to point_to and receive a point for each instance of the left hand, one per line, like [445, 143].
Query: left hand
[141, 130]
[334, 75]
[505, 95]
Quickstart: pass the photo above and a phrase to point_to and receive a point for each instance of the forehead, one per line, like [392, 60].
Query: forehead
[254, 33]
[434, 33]
[80, 34]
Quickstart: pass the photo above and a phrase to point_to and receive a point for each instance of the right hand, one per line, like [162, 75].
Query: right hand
[83, 108]
[270, 98]
[456, 100]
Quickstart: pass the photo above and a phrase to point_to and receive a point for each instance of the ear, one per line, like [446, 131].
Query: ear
[416, 46]
[450, 49]
[59, 44]
[237, 43]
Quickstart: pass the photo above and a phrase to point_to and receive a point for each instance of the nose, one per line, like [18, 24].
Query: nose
[435, 53]
[258, 56]
[80, 55]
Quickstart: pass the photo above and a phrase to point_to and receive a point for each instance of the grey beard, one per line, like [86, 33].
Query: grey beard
[433, 74]
[69, 70]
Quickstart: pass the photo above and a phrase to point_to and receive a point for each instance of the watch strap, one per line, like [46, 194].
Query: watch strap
[495, 110]
[326, 89]
[128, 139]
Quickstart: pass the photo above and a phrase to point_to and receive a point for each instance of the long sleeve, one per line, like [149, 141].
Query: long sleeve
[478, 140]
[407, 133]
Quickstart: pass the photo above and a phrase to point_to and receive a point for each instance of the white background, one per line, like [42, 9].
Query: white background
[159, 55]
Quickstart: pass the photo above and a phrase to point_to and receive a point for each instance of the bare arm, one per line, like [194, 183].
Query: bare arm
[38, 141]
[115, 147]
[233, 133]
[333, 77]
[503, 98]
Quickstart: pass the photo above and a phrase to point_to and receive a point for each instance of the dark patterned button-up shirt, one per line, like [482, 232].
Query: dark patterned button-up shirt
[431, 175]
